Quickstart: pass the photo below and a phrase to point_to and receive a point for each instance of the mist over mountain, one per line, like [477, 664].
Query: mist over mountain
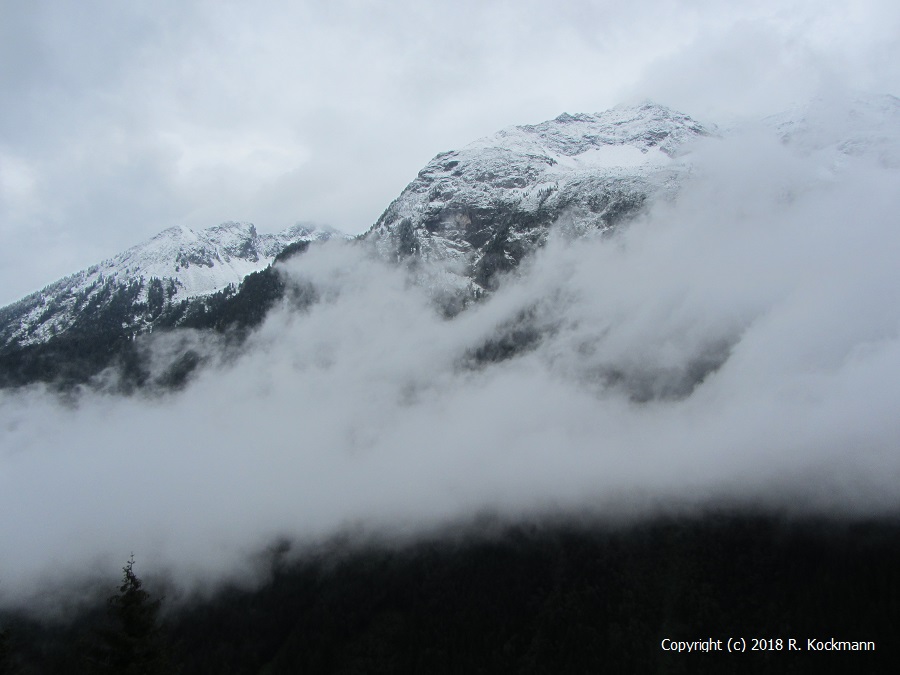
[606, 317]
[469, 216]
[92, 326]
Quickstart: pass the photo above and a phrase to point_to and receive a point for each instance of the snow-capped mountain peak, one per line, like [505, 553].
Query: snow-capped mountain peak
[179, 263]
[645, 127]
[480, 209]
[204, 261]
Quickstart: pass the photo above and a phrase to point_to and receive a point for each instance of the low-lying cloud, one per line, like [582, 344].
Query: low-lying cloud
[739, 344]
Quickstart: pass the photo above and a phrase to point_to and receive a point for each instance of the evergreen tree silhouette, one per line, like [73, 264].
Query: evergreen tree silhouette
[133, 644]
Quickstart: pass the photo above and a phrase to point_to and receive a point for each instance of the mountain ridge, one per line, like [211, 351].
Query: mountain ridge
[469, 217]
[176, 265]
[478, 211]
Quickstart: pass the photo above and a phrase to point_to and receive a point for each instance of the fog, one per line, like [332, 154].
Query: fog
[736, 346]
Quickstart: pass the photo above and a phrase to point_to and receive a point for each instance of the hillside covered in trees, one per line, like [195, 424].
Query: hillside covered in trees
[527, 598]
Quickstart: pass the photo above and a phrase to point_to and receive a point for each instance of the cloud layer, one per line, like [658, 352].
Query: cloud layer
[738, 345]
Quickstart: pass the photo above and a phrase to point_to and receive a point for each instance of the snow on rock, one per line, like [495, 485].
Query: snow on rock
[470, 214]
[476, 212]
[205, 261]
[188, 263]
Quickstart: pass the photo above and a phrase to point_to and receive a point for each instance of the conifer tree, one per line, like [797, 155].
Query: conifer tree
[133, 644]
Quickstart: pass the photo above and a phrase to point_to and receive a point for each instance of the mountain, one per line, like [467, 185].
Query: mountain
[476, 212]
[218, 279]
[177, 265]
[469, 216]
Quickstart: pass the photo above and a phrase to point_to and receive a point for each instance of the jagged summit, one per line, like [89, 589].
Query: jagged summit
[175, 265]
[204, 261]
[480, 209]
[645, 127]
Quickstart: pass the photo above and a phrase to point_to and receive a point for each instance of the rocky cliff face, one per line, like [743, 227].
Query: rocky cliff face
[476, 212]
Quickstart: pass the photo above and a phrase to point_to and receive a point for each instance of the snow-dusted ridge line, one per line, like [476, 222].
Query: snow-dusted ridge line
[478, 210]
[470, 214]
[204, 261]
[189, 264]
[474, 212]
[646, 126]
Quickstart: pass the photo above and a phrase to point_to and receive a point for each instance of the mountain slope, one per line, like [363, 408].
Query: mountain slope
[130, 291]
[219, 281]
[478, 211]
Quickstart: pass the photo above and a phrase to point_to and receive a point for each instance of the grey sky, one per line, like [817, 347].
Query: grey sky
[121, 119]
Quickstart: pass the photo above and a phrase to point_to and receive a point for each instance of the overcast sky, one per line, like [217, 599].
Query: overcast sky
[122, 119]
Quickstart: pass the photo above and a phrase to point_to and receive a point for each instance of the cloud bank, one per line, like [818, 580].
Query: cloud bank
[738, 345]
